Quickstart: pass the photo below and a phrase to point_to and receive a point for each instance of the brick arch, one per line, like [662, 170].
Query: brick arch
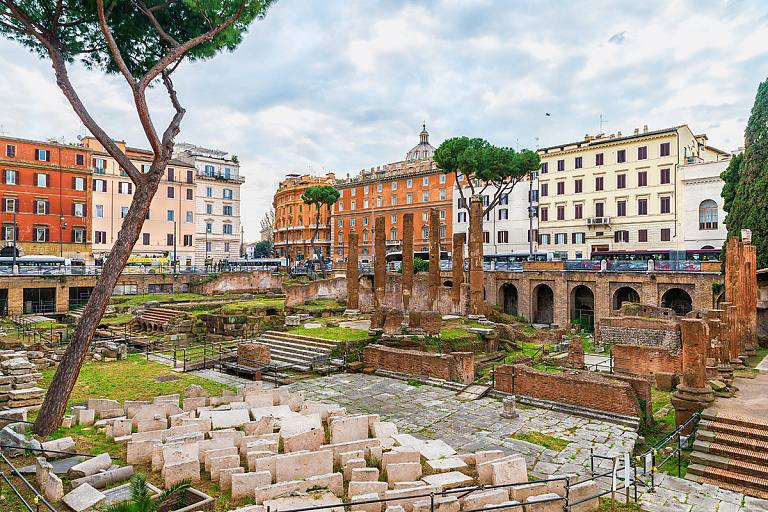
[581, 301]
[508, 298]
[624, 293]
[543, 303]
[8, 246]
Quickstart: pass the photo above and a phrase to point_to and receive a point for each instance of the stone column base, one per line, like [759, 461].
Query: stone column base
[688, 401]
[351, 311]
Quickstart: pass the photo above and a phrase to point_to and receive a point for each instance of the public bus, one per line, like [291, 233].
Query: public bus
[395, 259]
[664, 255]
[148, 264]
[40, 264]
[272, 264]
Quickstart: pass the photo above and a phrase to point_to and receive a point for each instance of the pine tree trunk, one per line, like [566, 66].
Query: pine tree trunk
[314, 249]
[55, 402]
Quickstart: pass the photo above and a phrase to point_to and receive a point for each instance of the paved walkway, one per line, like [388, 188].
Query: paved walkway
[433, 413]
[751, 399]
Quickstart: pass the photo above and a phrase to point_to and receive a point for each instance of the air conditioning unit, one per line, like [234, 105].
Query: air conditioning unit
[594, 221]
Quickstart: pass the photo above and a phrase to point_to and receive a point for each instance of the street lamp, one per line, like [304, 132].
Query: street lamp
[174, 247]
[15, 236]
[62, 226]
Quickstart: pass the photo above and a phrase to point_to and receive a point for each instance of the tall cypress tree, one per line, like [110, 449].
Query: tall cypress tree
[746, 181]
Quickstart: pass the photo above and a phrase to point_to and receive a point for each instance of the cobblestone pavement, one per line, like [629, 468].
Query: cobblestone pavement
[433, 413]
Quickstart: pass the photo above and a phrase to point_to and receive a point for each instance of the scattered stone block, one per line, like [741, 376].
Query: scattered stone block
[450, 480]
[54, 488]
[219, 452]
[122, 427]
[231, 418]
[236, 435]
[538, 503]
[364, 474]
[357, 488]
[83, 498]
[440, 504]
[219, 463]
[310, 440]
[251, 458]
[435, 449]
[65, 444]
[85, 416]
[158, 400]
[101, 462]
[103, 404]
[244, 484]
[225, 477]
[140, 452]
[405, 497]
[521, 493]
[485, 469]
[264, 425]
[346, 457]
[350, 465]
[366, 507]
[193, 404]
[259, 400]
[315, 499]
[483, 499]
[487, 455]
[103, 479]
[383, 429]
[178, 471]
[445, 465]
[202, 424]
[294, 466]
[349, 428]
[397, 457]
[403, 472]
[195, 391]
[510, 471]
[583, 491]
[157, 423]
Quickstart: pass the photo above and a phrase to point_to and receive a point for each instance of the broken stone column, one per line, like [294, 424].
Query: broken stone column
[407, 266]
[458, 271]
[741, 288]
[732, 334]
[379, 263]
[476, 255]
[434, 257]
[353, 281]
[509, 408]
[692, 393]
[576, 353]
[750, 292]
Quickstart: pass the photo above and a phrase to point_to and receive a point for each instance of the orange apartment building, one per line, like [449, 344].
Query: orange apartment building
[412, 185]
[48, 186]
[295, 221]
[171, 214]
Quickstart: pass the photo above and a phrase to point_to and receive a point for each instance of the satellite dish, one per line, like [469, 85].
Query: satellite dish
[79, 137]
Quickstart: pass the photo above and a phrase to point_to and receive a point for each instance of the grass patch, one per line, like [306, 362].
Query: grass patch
[549, 442]
[332, 333]
[605, 505]
[321, 304]
[414, 383]
[131, 379]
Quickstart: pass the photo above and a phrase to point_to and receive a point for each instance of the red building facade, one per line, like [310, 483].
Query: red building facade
[48, 187]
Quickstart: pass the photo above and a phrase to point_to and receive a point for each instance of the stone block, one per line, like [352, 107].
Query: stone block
[83, 498]
[213, 444]
[365, 507]
[264, 425]
[244, 484]
[358, 488]
[236, 435]
[557, 484]
[65, 444]
[90, 466]
[352, 446]
[162, 399]
[364, 474]
[350, 465]
[310, 440]
[583, 491]
[399, 456]
[405, 497]
[251, 458]
[403, 472]
[219, 463]
[314, 499]
[146, 412]
[347, 456]
[151, 435]
[260, 445]
[122, 427]
[225, 477]
[374, 453]
[193, 404]
[195, 391]
[277, 411]
[179, 452]
[319, 408]
[440, 504]
[302, 465]
[102, 404]
[484, 469]
[177, 420]
[178, 471]
[131, 407]
[259, 400]
[666, 381]
[487, 455]
[483, 499]
[539, 503]
[521, 493]
[203, 425]
[85, 416]
[409, 485]
[42, 468]
[140, 452]
[333, 481]
[445, 465]
[218, 452]
[156, 423]
[54, 488]
[105, 478]
[349, 428]
[383, 429]
[450, 480]
[299, 424]
[435, 449]
[231, 418]
[510, 471]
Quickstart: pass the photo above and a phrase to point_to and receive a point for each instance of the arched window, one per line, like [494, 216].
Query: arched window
[708, 214]
[442, 230]
[341, 237]
[393, 233]
[425, 232]
[365, 235]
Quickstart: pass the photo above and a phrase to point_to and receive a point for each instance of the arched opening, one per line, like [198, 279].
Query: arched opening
[543, 300]
[8, 251]
[271, 312]
[583, 308]
[510, 299]
[448, 283]
[625, 294]
[677, 300]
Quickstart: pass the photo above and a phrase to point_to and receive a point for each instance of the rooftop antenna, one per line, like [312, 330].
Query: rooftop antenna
[2, 132]
[83, 131]
[537, 142]
[602, 121]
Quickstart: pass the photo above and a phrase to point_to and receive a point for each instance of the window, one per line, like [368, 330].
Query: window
[340, 205]
[708, 214]
[502, 237]
[425, 197]
[41, 180]
[578, 186]
[461, 217]
[41, 234]
[642, 235]
[42, 155]
[123, 211]
[10, 177]
[171, 173]
[394, 185]
[353, 222]
[665, 235]
[560, 188]
[227, 229]
[42, 207]
[187, 240]
[227, 193]
[578, 211]
[393, 233]
[393, 199]
[378, 201]
[577, 238]
[504, 199]
[642, 153]
[124, 187]
[642, 178]
[169, 239]
[10, 151]
[621, 156]
[8, 232]
[424, 232]
[545, 239]
[227, 173]
[409, 184]
[226, 246]
[170, 193]
[169, 214]
[123, 173]
[561, 165]
[209, 209]
[365, 221]
[354, 204]
[561, 213]
[621, 181]
[99, 210]
[99, 237]
[209, 171]
[78, 236]
[664, 149]
[442, 179]
[442, 214]
[190, 216]
[365, 235]
[503, 214]
[409, 198]
[190, 177]
[208, 246]
[353, 192]
[190, 194]
[544, 167]
[425, 181]
[393, 218]
[365, 203]
[599, 209]
[599, 159]
[209, 227]
[340, 236]
[442, 194]
[664, 177]
[544, 189]
[621, 208]
[577, 164]
[533, 196]
[642, 207]
[208, 192]
[599, 183]
[9, 205]
[561, 238]
[78, 210]
[664, 205]
[99, 185]
[378, 188]
[486, 237]
[544, 214]
[78, 183]
[621, 236]
[365, 190]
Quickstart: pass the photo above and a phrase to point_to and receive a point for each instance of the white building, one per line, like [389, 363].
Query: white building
[507, 227]
[217, 209]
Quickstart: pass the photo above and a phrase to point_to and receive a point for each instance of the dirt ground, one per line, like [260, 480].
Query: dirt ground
[751, 399]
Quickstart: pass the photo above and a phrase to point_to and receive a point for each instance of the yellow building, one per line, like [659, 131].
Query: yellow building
[616, 192]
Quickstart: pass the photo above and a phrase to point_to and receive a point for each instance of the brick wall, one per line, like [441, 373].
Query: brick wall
[643, 360]
[241, 282]
[251, 354]
[633, 330]
[456, 366]
[587, 389]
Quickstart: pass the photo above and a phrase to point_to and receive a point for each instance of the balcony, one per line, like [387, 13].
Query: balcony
[390, 243]
[220, 176]
[598, 221]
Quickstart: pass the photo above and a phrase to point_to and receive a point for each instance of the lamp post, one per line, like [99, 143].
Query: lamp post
[15, 236]
[174, 247]
[61, 236]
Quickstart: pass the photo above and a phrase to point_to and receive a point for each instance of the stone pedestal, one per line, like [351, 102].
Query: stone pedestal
[476, 273]
[407, 265]
[509, 408]
[688, 401]
[692, 394]
[458, 271]
[434, 257]
[379, 263]
[353, 281]
[576, 353]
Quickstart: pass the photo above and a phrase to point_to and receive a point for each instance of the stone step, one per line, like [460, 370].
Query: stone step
[733, 440]
[731, 452]
[297, 347]
[737, 481]
[734, 419]
[293, 355]
[736, 429]
[309, 340]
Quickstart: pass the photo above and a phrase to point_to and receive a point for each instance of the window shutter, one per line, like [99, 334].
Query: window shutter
[616, 236]
[73, 209]
[103, 185]
[74, 183]
[72, 231]
[48, 180]
[16, 234]
[4, 175]
[3, 203]
[37, 154]
[47, 207]
[34, 177]
[95, 182]
[47, 234]
[130, 188]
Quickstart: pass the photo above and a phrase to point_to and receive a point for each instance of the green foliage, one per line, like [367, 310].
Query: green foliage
[419, 265]
[262, 249]
[745, 191]
[74, 29]
[141, 499]
[320, 195]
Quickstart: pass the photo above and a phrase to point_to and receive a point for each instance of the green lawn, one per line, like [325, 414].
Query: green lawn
[135, 300]
[332, 333]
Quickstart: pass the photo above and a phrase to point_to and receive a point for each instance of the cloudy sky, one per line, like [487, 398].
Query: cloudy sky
[339, 86]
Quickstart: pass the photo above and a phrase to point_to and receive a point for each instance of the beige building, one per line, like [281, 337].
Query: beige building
[616, 192]
[217, 210]
[171, 214]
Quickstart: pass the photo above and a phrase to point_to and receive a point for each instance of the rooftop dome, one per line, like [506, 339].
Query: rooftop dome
[423, 150]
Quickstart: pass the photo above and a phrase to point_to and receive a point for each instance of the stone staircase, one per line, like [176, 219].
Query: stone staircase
[301, 352]
[731, 451]
[155, 318]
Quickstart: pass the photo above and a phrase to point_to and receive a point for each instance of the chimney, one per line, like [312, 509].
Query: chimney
[618, 134]
[637, 131]
[586, 137]
[645, 128]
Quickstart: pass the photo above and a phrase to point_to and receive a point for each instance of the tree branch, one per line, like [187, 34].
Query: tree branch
[143, 8]
[114, 50]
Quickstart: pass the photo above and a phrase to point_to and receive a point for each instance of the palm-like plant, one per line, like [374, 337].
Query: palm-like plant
[142, 501]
